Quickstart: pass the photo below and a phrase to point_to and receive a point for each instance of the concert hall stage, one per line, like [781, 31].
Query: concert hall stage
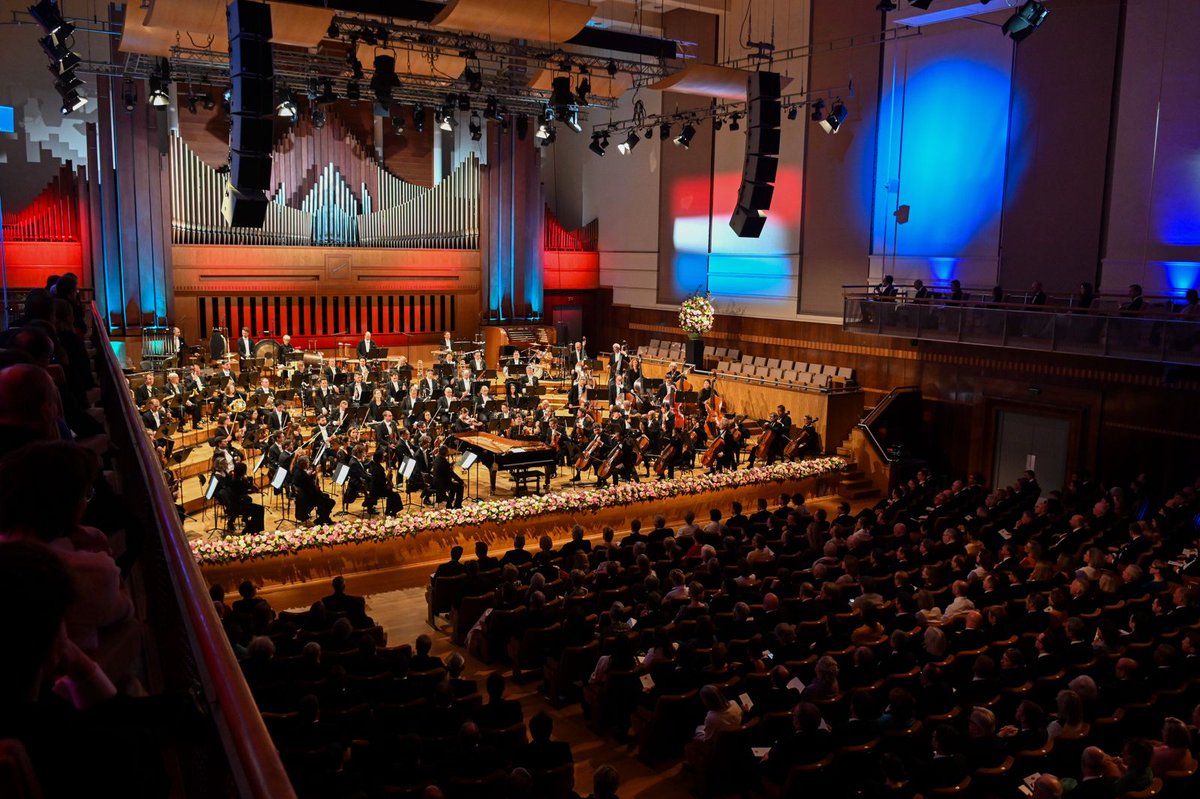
[359, 546]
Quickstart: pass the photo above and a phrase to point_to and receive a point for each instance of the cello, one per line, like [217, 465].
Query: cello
[765, 441]
[607, 466]
[589, 452]
[802, 440]
[713, 452]
[715, 409]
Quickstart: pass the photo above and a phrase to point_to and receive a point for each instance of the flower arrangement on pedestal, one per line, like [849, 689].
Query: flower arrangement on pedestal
[697, 314]
[501, 511]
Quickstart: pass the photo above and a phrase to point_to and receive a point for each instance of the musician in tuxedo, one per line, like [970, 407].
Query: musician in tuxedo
[264, 392]
[218, 344]
[324, 398]
[578, 395]
[578, 357]
[409, 405]
[367, 348]
[444, 413]
[226, 429]
[783, 431]
[286, 349]
[565, 450]
[463, 385]
[727, 457]
[238, 502]
[309, 496]
[154, 418]
[278, 453]
[668, 384]
[380, 487]
[339, 418]
[543, 414]
[224, 457]
[146, 391]
[478, 364]
[359, 392]
[810, 441]
[321, 429]
[279, 418]
[356, 483]
[245, 345]
[396, 388]
[529, 383]
[224, 374]
[176, 391]
[177, 340]
[616, 368]
[484, 405]
[331, 372]
[429, 387]
[195, 380]
[447, 342]
[447, 483]
[422, 474]
[387, 430]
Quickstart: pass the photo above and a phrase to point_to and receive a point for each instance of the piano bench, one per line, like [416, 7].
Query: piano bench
[522, 478]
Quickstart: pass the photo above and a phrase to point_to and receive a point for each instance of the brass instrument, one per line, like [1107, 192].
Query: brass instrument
[237, 406]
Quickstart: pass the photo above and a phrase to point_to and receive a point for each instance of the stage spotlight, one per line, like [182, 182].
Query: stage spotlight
[503, 121]
[792, 113]
[583, 90]
[664, 130]
[818, 112]
[192, 106]
[630, 142]
[318, 117]
[368, 37]
[328, 96]
[832, 122]
[595, 145]
[734, 122]
[491, 109]
[312, 89]
[46, 14]
[684, 139]
[334, 31]
[561, 94]
[384, 79]
[718, 123]
[464, 102]
[72, 101]
[921, 4]
[886, 6]
[61, 66]
[207, 102]
[286, 107]
[550, 137]
[611, 68]
[445, 118]
[418, 117]
[398, 126]
[129, 95]
[355, 65]
[474, 79]
[571, 118]
[353, 91]
[545, 128]
[1028, 18]
[158, 95]
[475, 126]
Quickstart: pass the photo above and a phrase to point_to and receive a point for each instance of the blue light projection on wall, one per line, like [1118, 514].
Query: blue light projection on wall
[947, 145]
[1182, 275]
[7, 119]
[769, 276]
[1178, 208]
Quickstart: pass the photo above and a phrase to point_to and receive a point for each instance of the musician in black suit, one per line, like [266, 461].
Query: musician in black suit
[810, 441]
[463, 385]
[177, 340]
[379, 487]
[286, 349]
[324, 398]
[447, 342]
[409, 405]
[366, 348]
[396, 388]
[484, 404]
[359, 392]
[478, 364]
[154, 418]
[224, 375]
[616, 367]
[446, 482]
[428, 386]
[218, 344]
[578, 357]
[145, 392]
[356, 483]
[339, 417]
[245, 345]
[279, 418]
[238, 503]
[529, 383]
[422, 474]
[309, 496]
[444, 414]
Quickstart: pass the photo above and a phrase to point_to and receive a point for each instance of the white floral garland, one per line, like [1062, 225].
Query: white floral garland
[579, 500]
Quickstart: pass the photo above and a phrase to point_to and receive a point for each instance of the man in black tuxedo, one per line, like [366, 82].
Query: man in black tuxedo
[279, 418]
[154, 418]
[484, 405]
[245, 345]
[359, 392]
[444, 413]
[478, 364]
[366, 348]
[218, 344]
[145, 392]
[395, 387]
[616, 366]
[309, 496]
[529, 382]
[324, 398]
[177, 340]
[445, 481]
[286, 349]
[428, 386]
[578, 356]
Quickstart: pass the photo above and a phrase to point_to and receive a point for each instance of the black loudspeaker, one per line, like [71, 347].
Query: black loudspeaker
[748, 224]
[250, 171]
[760, 168]
[252, 108]
[764, 114]
[243, 209]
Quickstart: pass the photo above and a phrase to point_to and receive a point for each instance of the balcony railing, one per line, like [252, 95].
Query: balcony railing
[1157, 338]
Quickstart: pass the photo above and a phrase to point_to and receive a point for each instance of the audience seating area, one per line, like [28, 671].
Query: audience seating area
[792, 373]
[663, 351]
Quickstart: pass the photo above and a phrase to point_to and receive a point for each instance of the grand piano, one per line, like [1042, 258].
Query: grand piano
[511, 455]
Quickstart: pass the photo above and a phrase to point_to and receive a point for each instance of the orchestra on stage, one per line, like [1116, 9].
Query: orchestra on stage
[378, 428]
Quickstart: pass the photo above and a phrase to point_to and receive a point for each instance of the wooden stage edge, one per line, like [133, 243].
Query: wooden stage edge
[430, 548]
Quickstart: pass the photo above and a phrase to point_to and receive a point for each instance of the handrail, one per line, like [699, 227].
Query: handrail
[865, 423]
[253, 759]
[987, 303]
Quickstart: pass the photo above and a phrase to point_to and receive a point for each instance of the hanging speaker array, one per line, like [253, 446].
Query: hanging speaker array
[764, 112]
[251, 106]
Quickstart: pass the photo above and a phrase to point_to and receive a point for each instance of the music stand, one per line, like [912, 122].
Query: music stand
[341, 474]
[210, 491]
[278, 478]
[258, 464]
